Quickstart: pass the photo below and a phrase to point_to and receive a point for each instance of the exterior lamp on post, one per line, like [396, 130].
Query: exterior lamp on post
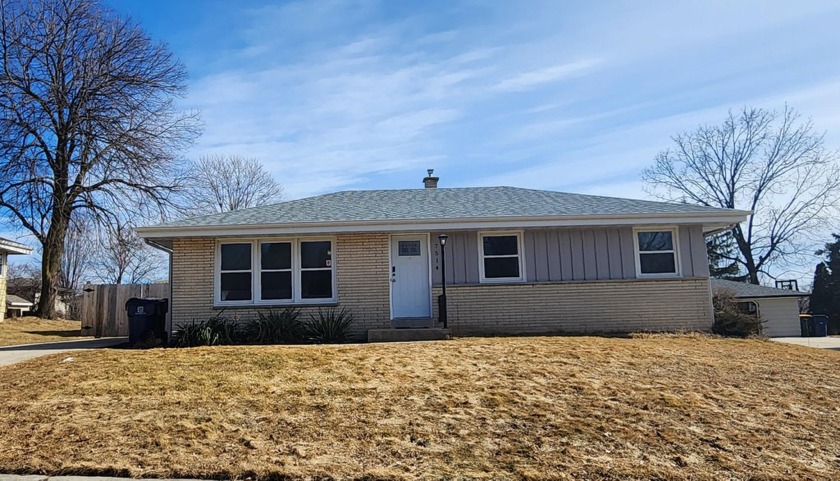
[442, 299]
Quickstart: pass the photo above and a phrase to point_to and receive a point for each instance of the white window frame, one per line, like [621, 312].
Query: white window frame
[675, 240]
[520, 254]
[256, 277]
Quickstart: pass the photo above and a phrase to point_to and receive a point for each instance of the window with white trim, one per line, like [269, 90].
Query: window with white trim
[316, 270]
[500, 257]
[275, 272]
[235, 276]
[656, 252]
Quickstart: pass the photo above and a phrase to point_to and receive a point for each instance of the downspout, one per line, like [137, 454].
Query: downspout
[169, 253]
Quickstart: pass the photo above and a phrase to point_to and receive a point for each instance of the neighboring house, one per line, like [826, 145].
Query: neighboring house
[17, 306]
[7, 248]
[517, 260]
[778, 308]
[28, 288]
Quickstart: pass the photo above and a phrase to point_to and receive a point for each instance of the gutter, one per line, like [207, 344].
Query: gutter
[168, 251]
[729, 219]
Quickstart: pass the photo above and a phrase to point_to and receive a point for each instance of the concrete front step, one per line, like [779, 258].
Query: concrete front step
[406, 335]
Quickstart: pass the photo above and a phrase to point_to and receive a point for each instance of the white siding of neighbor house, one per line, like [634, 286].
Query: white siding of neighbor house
[552, 255]
[780, 315]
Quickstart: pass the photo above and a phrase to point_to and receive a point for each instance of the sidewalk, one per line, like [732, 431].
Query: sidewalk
[818, 342]
[24, 352]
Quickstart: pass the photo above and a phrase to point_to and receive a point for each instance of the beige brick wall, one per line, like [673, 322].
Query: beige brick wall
[580, 307]
[362, 281]
[363, 287]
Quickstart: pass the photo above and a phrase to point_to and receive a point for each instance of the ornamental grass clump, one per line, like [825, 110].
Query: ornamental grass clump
[276, 327]
[330, 326]
[216, 331]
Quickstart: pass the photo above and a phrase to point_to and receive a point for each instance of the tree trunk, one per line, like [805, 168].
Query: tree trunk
[53, 249]
[745, 249]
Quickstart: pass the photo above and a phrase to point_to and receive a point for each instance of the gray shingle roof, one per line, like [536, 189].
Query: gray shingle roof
[742, 289]
[13, 299]
[438, 204]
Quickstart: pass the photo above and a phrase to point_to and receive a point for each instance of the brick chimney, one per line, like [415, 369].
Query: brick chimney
[431, 181]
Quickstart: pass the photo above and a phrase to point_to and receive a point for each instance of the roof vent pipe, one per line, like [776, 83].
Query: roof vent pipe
[431, 181]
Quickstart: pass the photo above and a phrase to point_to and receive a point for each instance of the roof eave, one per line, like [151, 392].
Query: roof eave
[775, 296]
[11, 247]
[710, 221]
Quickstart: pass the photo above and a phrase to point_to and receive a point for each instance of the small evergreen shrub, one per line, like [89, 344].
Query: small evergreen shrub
[731, 320]
[331, 326]
[276, 327]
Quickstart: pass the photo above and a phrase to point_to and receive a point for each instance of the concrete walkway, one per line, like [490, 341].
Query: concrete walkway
[818, 342]
[24, 352]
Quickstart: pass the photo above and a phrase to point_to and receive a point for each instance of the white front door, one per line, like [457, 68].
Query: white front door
[410, 289]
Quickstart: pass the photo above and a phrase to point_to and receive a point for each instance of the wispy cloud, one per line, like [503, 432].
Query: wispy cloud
[336, 95]
[556, 73]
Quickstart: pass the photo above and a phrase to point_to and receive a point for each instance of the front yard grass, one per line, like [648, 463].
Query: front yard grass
[33, 330]
[493, 408]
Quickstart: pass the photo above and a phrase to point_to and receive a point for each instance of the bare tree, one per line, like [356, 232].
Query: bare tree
[767, 162]
[224, 183]
[87, 121]
[123, 258]
[77, 259]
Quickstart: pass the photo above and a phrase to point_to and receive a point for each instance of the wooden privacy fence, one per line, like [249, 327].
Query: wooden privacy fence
[103, 306]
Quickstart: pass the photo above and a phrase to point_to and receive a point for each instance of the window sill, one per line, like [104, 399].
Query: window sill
[502, 280]
[658, 276]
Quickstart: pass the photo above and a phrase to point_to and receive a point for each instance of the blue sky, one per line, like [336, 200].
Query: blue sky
[575, 96]
[572, 96]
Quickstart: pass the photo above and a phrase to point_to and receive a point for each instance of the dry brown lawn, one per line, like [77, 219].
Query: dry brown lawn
[497, 408]
[32, 330]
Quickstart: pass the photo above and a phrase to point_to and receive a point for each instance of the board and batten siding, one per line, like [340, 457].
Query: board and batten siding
[553, 255]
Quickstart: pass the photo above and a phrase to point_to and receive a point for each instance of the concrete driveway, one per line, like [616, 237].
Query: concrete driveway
[23, 352]
[818, 342]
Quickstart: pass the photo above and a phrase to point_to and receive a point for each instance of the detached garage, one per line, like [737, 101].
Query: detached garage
[779, 308]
